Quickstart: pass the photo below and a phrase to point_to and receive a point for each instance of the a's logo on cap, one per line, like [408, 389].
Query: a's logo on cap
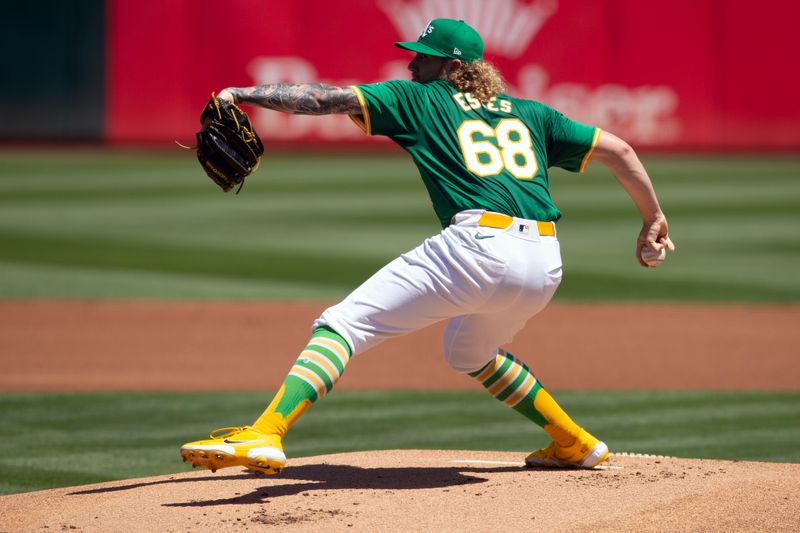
[427, 31]
[507, 26]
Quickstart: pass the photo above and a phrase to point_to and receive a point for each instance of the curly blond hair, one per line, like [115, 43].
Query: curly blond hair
[479, 78]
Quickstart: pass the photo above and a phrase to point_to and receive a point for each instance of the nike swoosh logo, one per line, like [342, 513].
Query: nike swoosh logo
[227, 441]
[480, 236]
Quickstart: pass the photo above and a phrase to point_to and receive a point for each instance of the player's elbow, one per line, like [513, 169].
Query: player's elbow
[618, 147]
[323, 99]
[624, 150]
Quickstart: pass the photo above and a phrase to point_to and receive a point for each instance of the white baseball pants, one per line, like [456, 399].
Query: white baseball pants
[486, 281]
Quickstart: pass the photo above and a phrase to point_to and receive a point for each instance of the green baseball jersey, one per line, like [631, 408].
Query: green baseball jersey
[492, 156]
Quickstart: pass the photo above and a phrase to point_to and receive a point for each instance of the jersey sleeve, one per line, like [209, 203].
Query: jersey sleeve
[392, 108]
[569, 143]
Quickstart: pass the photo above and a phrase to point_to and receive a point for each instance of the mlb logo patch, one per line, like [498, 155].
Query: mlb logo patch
[524, 229]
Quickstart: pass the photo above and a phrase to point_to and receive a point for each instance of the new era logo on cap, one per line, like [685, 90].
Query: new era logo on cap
[456, 51]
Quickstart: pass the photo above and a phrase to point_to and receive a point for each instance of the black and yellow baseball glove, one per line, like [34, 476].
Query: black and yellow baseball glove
[228, 147]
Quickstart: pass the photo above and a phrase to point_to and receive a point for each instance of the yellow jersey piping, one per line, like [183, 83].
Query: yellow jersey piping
[588, 155]
[363, 121]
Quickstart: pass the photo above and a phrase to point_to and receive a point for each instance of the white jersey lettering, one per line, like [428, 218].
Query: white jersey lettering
[467, 102]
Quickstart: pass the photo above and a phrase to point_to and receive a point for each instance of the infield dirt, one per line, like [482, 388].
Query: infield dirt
[50, 346]
[93, 346]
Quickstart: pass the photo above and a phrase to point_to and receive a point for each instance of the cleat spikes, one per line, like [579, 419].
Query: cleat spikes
[237, 446]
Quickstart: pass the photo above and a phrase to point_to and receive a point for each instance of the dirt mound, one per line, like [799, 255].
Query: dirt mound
[405, 490]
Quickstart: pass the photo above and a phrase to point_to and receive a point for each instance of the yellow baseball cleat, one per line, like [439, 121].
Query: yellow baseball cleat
[587, 452]
[237, 446]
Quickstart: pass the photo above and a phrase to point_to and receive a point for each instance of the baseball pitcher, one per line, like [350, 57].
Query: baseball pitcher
[484, 158]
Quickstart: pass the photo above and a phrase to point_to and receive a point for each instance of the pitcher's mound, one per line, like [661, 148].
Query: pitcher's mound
[415, 490]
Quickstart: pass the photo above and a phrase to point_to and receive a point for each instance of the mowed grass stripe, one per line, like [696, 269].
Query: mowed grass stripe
[588, 285]
[755, 208]
[734, 219]
[772, 442]
[111, 254]
[65, 282]
[68, 439]
[150, 172]
[281, 211]
[307, 240]
[164, 187]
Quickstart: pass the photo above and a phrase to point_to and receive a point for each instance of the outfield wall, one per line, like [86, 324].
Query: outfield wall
[52, 68]
[686, 74]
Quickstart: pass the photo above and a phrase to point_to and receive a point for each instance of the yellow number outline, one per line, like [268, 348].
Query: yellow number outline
[502, 156]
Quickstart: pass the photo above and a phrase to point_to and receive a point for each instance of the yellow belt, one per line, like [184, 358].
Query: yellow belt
[500, 221]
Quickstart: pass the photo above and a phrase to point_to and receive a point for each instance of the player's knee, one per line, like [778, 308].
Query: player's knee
[465, 359]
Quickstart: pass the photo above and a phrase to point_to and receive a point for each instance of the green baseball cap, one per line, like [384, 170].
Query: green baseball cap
[447, 38]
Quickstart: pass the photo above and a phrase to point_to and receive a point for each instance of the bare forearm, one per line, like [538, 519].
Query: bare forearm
[301, 99]
[626, 167]
[622, 161]
[632, 176]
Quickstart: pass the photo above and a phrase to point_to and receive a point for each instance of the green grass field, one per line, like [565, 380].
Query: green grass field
[151, 225]
[92, 224]
[55, 440]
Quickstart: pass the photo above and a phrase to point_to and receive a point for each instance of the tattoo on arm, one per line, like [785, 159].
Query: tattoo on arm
[300, 99]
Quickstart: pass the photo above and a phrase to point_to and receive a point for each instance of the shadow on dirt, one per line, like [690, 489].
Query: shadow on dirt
[329, 477]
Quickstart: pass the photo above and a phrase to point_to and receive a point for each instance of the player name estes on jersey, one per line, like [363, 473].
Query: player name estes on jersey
[468, 102]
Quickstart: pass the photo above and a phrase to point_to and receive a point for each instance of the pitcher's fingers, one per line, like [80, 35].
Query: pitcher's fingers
[666, 241]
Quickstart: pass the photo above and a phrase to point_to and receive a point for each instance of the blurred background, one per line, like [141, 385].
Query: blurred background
[689, 75]
[98, 204]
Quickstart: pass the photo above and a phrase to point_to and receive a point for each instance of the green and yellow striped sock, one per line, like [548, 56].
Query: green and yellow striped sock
[510, 381]
[313, 375]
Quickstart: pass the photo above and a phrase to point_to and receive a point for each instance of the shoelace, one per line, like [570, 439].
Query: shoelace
[226, 432]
